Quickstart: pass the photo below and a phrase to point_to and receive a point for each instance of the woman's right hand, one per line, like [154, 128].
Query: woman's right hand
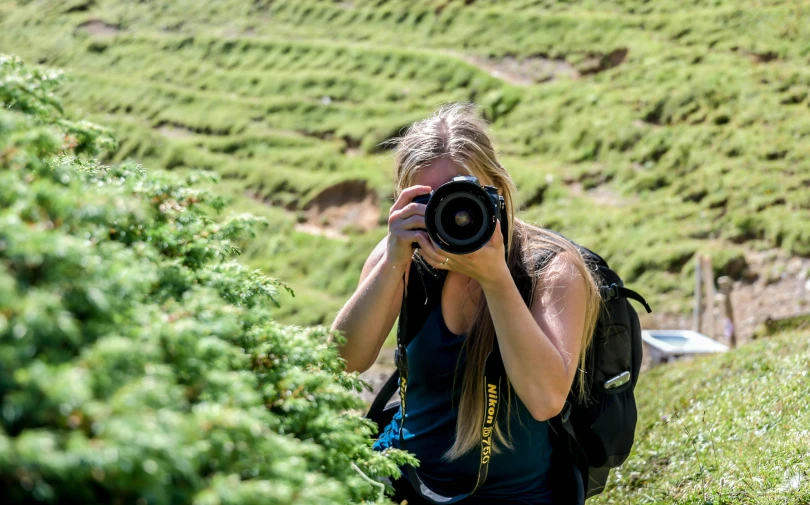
[404, 219]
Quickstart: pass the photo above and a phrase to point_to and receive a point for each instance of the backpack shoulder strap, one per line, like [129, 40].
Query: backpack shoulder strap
[375, 412]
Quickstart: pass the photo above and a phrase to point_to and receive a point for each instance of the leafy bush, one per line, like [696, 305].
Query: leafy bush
[139, 362]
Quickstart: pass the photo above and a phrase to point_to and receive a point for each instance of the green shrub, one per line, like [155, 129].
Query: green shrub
[139, 363]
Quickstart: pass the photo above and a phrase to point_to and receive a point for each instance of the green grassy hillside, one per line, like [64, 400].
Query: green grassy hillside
[648, 131]
[725, 429]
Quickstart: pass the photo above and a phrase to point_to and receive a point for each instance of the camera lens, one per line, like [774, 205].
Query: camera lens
[461, 215]
[460, 218]
[463, 218]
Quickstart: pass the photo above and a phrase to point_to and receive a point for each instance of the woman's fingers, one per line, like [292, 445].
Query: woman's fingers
[412, 209]
[429, 261]
[430, 253]
[413, 223]
[407, 195]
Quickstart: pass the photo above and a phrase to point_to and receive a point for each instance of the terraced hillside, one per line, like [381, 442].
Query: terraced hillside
[648, 131]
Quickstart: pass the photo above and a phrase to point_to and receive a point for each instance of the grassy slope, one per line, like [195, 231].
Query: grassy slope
[700, 135]
[725, 429]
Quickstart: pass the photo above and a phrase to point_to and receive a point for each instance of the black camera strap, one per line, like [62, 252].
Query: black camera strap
[493, 374]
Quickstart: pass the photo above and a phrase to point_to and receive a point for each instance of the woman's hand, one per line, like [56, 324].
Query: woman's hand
[486, 265]
[403, 220]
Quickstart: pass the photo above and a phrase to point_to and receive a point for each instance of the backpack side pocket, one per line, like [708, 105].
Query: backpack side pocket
[614, 356]
[613, 429]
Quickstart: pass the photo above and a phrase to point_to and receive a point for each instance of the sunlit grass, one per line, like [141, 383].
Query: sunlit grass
[725, 429]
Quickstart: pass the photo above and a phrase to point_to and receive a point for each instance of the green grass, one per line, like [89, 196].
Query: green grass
[700, 133]
[726, 429]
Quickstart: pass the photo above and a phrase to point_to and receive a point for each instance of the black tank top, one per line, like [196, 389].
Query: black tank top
[517, 476]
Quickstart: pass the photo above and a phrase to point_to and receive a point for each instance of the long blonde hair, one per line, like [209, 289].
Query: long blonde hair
[457, 131]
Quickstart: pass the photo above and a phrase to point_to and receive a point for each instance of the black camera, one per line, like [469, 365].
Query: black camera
[461, 215]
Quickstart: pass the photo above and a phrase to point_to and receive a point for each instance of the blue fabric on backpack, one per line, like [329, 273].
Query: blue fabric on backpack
[517, 476]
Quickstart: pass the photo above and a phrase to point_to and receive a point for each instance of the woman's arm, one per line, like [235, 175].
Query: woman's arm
[369, 315]
[539, 346]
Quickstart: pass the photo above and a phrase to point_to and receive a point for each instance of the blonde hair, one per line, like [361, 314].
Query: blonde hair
[457, 131]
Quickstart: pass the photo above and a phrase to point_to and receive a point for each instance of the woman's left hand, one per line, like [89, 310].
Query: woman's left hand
[486, 265]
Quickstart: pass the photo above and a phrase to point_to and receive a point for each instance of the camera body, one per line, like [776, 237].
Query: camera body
[461, 215]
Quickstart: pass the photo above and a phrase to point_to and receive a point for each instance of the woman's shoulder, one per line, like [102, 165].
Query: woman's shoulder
[551, 258]
[547, 248]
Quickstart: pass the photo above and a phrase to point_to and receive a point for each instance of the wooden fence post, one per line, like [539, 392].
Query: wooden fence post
[698, 307]
[709, 291]
[725, 284]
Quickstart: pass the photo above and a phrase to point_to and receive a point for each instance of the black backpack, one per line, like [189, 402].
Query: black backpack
[588, 438]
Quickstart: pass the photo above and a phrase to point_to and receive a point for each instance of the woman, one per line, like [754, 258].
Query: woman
[542, 344]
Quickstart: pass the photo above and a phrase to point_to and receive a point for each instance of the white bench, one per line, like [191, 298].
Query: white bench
[667, 345]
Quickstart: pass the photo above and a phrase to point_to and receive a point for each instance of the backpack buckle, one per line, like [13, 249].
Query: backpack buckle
[609, 292]
[566, 412]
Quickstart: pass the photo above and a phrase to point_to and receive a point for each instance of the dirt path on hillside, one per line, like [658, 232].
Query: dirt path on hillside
[540, 69]
[523, 72]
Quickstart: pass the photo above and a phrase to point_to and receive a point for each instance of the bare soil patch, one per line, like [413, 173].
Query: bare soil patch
[174, 132]
[600, 62]
[98, 27]
[539, 69]
[603, 194]
[349, 204]
[314, 229]
[524, 72]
